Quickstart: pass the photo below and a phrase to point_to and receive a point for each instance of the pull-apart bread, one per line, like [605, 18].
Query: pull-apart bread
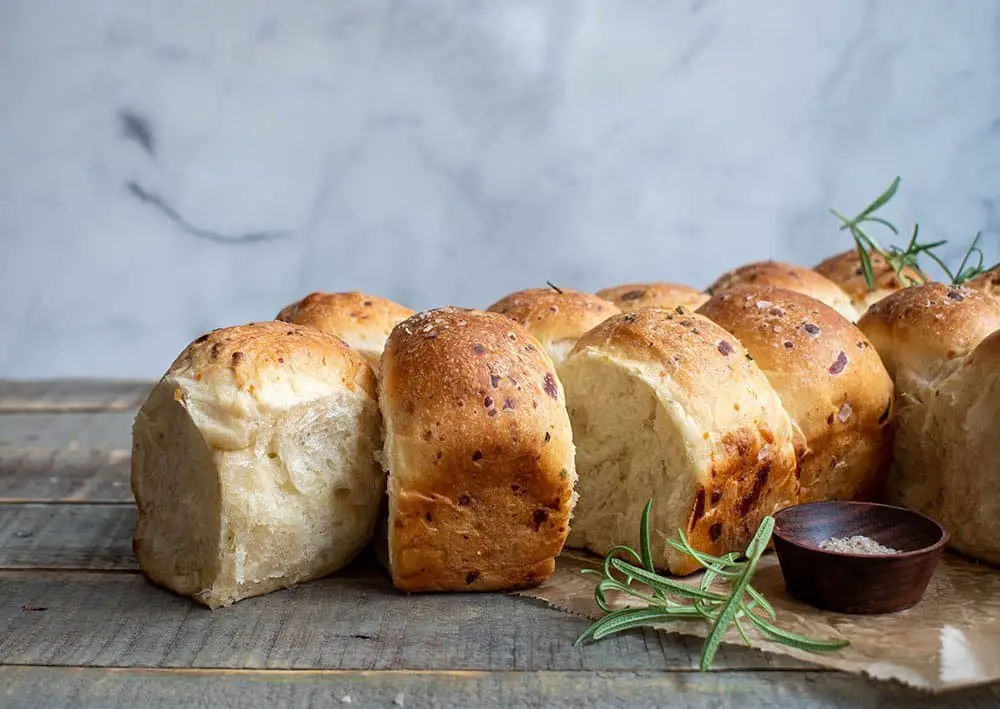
[636, 296]
[830, 380]
[965, 412]
[668, 405]
[558, 318]
[479, 454]
[790, 277]
[923, 335]
[362, 321]
[846, 271]
[253, 463]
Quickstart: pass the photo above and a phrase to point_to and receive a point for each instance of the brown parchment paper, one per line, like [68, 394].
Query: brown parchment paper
[951, 639]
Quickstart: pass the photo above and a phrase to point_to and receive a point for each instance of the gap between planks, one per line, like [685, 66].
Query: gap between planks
[447, 689]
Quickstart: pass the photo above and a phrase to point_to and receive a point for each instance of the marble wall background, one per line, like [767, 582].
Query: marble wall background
[168, 167]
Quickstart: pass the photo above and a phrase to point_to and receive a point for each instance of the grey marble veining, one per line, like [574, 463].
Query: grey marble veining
[168, 167]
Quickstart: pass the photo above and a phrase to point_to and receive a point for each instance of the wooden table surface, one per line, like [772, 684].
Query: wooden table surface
[79, 626]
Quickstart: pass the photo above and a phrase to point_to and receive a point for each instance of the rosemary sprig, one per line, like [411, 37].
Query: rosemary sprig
[668, 599]
[898, 259]
[901, 259]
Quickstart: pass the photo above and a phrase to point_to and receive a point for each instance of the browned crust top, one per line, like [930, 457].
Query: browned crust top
[252, 352]
[552, 315]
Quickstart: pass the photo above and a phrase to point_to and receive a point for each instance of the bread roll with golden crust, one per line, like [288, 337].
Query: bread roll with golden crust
[922, 330]
[253, 463]
[479, 453]
[668, 405]
[791, 277]
[830, 380]
[362, 321]
[964, 413]
[922, 334]
[556, 317]
[636, 296]
[845, 270]
[988, 283]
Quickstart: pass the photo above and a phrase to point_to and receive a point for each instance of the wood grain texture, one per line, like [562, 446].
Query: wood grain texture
[53, 475]
[72, 394]
[119, 620]
[65, 688]
[67, 431]
[65, 536]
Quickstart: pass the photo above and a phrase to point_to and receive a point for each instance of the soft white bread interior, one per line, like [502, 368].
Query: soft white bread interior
[636, 296]
[253, 463]
[479, 453]
[830, 380]
[846, 271]
[964, 413]
[790, 277]
[667, 405]
[557, 318]
[922, 334]
[362, 321]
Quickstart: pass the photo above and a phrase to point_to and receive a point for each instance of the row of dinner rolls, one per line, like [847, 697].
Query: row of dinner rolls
[491, 439]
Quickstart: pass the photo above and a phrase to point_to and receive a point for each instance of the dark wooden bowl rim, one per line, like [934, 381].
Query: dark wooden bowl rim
[942, 542]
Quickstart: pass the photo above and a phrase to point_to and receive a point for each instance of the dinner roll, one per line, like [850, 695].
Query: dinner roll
[922, 330]
[667, 405]
[253, 463]
[845, 270]
[362, 321]
[556, 317]
[830, 380]
[922, 333]
[964, 413]
[988, 283]
[479, 454]
[636, 296]
[791, 277]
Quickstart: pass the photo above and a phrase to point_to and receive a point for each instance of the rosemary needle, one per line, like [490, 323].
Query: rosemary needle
[668, 599]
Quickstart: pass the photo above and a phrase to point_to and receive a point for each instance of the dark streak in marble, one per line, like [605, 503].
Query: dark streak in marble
[157, 202]
[136, 128]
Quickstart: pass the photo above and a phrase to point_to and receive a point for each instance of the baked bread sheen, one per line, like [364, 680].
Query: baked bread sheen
[667, 405]
[362, 321]
[830, 380]
[253, 463]
[556, 317]
[964, 413]
[988, 283]
[845, 270]
[479, 453]
[922, 334]
[790, 277]
[636, 296]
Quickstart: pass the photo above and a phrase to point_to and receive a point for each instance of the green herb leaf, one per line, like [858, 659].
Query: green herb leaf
[757, 546]
[880, 201]
[669, 599]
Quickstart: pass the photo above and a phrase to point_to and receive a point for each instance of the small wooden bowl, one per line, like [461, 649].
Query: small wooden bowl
[857, 583]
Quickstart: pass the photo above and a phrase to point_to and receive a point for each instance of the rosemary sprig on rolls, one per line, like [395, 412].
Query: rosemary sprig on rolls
[905, 259]
[668, 599]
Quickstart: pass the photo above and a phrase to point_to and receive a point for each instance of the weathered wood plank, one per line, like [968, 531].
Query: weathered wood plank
[72, 394]
[119, 620]
[64, 536]
[53, 475]
[67, 431]
[76, 688]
